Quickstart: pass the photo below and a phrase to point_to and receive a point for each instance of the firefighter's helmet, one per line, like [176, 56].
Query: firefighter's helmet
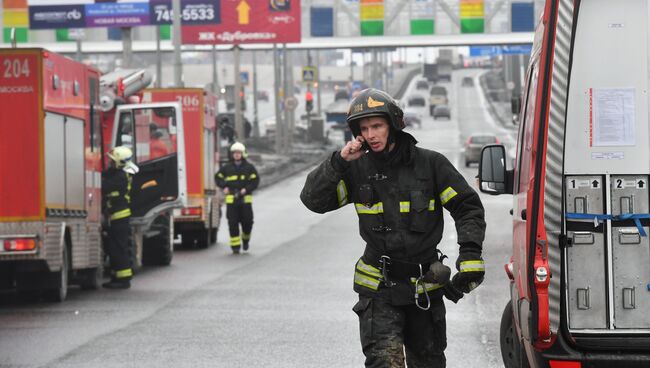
[373, 102]
[120, 155]
[239, 147]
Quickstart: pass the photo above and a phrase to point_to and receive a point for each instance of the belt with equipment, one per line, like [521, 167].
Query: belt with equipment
[373, 270]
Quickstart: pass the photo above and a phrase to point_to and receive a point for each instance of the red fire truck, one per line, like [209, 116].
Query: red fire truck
[580, 266]
[52, 143]
[198, 222]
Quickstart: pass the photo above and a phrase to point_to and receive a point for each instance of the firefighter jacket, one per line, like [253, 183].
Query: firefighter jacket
[116, 192]
[399, 200]
[235, 177]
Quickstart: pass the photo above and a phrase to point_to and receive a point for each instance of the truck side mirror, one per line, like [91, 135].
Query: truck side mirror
[492, 174]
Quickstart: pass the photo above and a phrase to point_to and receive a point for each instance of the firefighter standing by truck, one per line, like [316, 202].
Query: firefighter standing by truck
[116, 191]
[399, 191]
[238, 179]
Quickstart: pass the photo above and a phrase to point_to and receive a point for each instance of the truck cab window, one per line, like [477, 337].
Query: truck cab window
[125, 130]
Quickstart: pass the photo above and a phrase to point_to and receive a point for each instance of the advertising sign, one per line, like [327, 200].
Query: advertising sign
[248, 21]
[192, 12]
[48, 14]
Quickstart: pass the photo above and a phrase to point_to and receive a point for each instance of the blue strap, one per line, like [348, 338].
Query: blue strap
[602, 217]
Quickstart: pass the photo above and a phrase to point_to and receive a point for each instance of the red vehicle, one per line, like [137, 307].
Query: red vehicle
[198, 222]
[580, 266]
[52, 142]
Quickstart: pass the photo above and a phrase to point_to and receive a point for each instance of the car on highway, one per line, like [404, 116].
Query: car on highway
[263, 96]
[441, 111]
[475, 144]
[417, 101]
[412, 119]
[422, 84]
[437, 96]
[467, 82]
[341, 94]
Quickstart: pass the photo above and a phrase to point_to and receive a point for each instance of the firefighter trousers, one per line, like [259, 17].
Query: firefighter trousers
[239, 213]
[118, 248]
[387, 331]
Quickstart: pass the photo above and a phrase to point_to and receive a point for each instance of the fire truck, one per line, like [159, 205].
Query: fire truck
[580, 266]
[198, 222]
[53, 136]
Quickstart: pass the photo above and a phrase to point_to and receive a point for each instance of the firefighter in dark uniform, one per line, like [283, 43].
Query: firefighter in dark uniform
[116, 191]
[238, 179]
[399, 191]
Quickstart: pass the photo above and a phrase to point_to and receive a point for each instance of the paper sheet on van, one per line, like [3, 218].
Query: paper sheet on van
[612, 117]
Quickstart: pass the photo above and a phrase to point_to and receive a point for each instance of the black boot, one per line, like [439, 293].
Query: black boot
[235, 250]
[245, 245]
[117, 284]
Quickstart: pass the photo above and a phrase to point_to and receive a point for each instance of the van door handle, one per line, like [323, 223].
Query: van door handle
[510, 212]
[523, 214]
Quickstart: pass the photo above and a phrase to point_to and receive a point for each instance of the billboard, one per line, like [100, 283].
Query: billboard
[249, 21]
[50, 14]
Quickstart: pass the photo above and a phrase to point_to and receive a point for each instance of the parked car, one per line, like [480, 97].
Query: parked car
[467, 82]
[422, 84]
[442, 111]
[475, 144]
[412, 119]
[417, 101]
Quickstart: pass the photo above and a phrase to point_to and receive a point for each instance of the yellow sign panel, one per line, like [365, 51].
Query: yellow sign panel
[372, 12]
[472, 8]
[16, 18]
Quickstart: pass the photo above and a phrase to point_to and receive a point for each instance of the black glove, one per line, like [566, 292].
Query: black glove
[471, 268]
[438, 273]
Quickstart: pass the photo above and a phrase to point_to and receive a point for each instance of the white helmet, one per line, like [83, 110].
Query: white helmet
[120, 155]
[239, 147]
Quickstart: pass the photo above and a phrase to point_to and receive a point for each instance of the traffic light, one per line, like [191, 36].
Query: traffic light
[309, 99]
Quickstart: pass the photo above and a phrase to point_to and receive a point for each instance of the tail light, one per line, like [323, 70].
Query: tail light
[497, 141]
[192, 211]
[469, 141]
[19, 245]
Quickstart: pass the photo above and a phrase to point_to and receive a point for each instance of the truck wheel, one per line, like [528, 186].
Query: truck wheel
[511, 349]
[159, 250]
[60, 280]
[91, 278]
[202, 238]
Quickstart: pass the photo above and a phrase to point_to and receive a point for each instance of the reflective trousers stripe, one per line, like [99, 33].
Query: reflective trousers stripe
[245, 236]
[248, 198]
[121, 214]
[472, 266]
[122, 274]
[447, 195]
[235, 241]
